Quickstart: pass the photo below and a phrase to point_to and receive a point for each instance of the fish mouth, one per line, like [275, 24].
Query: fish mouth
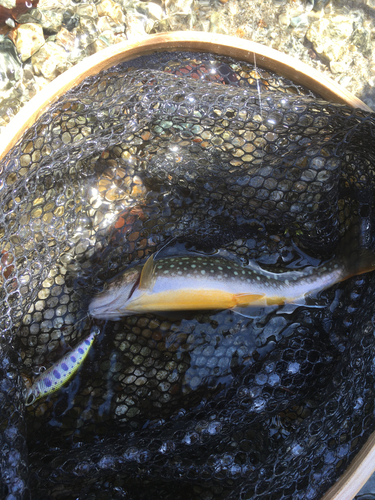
[111, 303]
[104, 307]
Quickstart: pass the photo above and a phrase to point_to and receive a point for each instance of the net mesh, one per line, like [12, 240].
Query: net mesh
[220, 156]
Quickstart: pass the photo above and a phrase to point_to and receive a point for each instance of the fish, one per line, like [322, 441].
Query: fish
[191, 283]
[58, 374]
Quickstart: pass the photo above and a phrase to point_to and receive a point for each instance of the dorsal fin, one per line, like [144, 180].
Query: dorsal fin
[147, 274]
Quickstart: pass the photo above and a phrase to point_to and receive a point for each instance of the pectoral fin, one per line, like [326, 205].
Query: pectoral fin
[147, 274]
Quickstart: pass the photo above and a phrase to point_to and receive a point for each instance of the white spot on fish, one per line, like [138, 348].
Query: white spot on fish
[203, 271]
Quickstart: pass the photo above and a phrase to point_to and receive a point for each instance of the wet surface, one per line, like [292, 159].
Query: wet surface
[134, 160]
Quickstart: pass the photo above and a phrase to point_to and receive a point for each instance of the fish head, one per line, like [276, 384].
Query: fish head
[32, 395]
[110, 303]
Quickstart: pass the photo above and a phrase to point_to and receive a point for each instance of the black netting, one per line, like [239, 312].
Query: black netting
[208, 154]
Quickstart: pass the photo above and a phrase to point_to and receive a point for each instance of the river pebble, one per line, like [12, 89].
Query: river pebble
[29, 40]
[335, 37]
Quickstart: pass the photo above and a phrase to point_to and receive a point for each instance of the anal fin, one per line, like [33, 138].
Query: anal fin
[247, 299]
[255, 311]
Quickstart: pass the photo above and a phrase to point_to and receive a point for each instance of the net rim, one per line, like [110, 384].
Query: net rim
[196, 41]
[265, 57]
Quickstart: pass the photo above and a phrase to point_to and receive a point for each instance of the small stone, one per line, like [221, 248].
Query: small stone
[70, 21]
[111, 9]
[51, 21]
[105, 23]
[10, 65]
[284, 20]
[27, 73]
[135, 25]
[66, 39]
[88, 32]
[345, 80]
[9, 22]
[361, 38]
[50, 61]
[337, 67]
[31, 16]
[87, 9]
[299, 21]
[330, 36]
[320, 4]
[29, 40]
[149, 9]
[182, 6]
[161, 26]
[313, 16]
[111, 38]
[8, 4]
[215, 25]
[98, 45]
[8, 110]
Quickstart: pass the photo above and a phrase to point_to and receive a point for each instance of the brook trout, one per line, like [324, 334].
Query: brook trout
[208, 282]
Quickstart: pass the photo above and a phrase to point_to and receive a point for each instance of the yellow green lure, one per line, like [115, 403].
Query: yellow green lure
[55, 377]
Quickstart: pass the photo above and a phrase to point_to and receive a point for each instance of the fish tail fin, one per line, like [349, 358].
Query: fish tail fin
[353, 249]
[363, 261]
[354, 252]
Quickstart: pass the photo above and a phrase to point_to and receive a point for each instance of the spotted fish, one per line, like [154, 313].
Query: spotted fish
[52, 379]
[213, 282]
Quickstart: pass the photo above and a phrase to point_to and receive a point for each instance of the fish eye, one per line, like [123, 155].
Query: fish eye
[30, 399]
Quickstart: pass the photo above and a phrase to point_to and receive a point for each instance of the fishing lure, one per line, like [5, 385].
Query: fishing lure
[58, 374]
[205, 282]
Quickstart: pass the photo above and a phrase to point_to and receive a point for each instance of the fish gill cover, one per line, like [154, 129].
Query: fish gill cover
[213, 156]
